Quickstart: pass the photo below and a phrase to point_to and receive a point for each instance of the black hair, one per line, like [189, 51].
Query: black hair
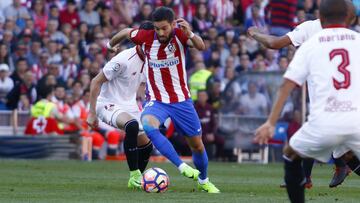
[163, 13]
[333, 11]
[46, 91]
[147, 25]
[21, 59]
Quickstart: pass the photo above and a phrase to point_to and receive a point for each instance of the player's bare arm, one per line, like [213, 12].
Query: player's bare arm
[269, 41]
[95, 87]
[118, 38]
[194, 40]
[266, 131]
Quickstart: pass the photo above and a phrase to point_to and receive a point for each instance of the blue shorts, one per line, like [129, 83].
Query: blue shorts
[183, 115]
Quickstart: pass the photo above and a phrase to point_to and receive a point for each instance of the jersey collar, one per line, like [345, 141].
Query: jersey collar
[335, 26]
[140, 53]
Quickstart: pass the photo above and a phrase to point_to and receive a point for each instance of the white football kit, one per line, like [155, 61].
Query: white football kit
[329, 62]
[124, 73]
[304, 31]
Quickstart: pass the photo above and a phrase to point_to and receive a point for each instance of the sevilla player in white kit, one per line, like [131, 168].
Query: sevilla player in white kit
[113, 100]
[165, 48]
[329, 62]
[297, 37]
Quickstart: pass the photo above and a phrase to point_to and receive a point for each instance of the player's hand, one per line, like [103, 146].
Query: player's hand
[252, 31]
[92, 120]
[185, 26]
[114, 49]
[264, 133]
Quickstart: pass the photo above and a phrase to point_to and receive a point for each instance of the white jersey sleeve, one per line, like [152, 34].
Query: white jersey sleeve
[304, 31]
[298, 69]
[113, 69]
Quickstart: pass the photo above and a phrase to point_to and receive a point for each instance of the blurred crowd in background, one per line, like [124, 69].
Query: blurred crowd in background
[62, 44]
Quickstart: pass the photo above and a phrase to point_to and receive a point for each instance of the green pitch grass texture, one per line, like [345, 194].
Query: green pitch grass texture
[106, 181]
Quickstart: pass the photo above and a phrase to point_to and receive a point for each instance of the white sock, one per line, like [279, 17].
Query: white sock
[182, 167]
[203, 181]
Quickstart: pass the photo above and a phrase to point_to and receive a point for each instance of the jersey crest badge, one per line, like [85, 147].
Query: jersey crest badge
[109, 107]
[171, 48]
[134, 33]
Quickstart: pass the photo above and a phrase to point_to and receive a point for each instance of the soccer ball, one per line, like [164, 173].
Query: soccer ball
[155, 180]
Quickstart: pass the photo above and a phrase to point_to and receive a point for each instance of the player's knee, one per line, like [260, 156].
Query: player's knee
[131, 128]
[142, 139]
[198, 148]
[150, 123]
[196, 145]
[347, 156]
[290, 153]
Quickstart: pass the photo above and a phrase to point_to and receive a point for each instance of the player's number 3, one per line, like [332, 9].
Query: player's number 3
[342, 68]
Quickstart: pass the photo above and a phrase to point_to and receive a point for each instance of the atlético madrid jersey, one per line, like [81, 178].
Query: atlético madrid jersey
[165, 69]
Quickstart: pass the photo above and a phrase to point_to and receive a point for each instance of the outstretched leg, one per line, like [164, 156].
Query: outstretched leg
[294, 176]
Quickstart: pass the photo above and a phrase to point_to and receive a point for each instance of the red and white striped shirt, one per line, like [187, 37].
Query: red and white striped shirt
[165, 70]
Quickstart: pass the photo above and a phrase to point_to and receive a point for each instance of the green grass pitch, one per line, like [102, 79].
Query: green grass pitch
[105, 181]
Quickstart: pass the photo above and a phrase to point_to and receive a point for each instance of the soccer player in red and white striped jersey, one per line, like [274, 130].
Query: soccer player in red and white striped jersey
[165, 49]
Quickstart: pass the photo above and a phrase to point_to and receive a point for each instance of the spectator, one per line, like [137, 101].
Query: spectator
[55, 71]
[245, 64]
[185, 10]
[66, 30]
[256, 19]
[39, 15]
[202, 20]
[16, 11]
[223, 49]
[271, 60]
[6, 84]
[20, 51]
[253, 103]
[283, 63]
[74, 53]
[198, 80]
[238, 16]
[120, 13]
[221, 10]
[209, 126]
[259, 6]
[46, 82]
[234, 53]
[21, 67]
[54, 55]
[105, 17]
[68, 68]
[231, 91]
[33, 55]
[145, 13]
[40, 68]
[77, 90]
[25, 87]
[214, 90]
[282, 16]
[70, 15]
[5, 57]
[54, 13]
[54, 34]
[88, 15]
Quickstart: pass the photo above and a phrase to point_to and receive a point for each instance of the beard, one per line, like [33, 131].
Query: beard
[164, 40]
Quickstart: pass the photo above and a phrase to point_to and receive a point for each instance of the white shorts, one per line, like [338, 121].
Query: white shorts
[310, 142]
[108, 113]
